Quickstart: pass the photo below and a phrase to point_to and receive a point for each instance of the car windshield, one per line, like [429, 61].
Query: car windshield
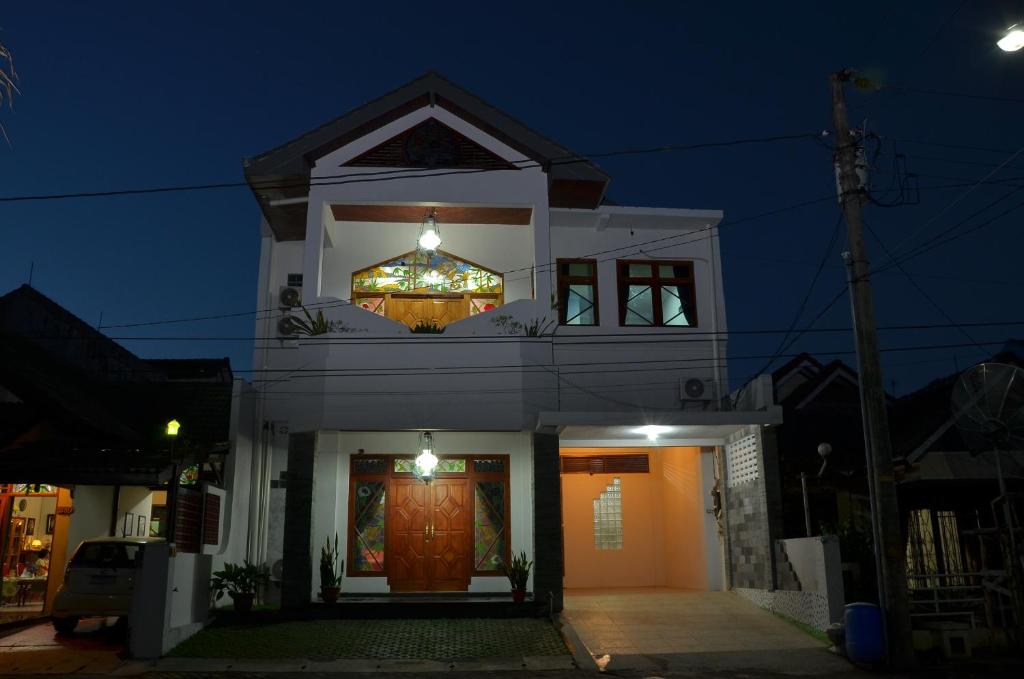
[106, 555]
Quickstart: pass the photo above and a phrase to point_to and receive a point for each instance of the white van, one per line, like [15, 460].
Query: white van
[98, 580]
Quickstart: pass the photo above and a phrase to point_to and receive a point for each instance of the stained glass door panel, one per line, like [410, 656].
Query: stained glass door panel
[368, 527]
[489, 526]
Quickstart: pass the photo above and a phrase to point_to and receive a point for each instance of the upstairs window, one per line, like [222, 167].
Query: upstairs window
[657, 293]
[577, 292]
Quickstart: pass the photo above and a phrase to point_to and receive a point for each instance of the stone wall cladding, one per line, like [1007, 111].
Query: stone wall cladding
[547, 520]
[810, 608]
[747, 521]
[297, 575]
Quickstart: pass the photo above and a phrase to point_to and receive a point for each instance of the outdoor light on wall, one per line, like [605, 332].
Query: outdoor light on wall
[430, 232]
[172, 427]
[652, 431]
[1013, 40]
[426, 461]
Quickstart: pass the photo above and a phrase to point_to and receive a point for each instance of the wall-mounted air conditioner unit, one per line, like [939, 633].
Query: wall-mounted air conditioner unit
[289, 297]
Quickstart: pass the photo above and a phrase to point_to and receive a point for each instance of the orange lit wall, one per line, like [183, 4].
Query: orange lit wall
[661, 524]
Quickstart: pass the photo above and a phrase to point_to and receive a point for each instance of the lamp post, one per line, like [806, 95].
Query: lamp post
[824, 450]
[172, 486]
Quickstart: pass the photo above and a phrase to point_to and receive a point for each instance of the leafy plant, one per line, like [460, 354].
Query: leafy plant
[239, 579]
[518, 570]
[535, 327]
[428, 328]
[330, 570]
[313, 325]
[8, 78]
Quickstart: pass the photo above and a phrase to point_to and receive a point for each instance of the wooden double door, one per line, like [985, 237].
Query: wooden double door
[429, 535]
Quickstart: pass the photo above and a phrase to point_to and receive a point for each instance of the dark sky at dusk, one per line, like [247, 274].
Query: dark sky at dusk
[127, 95]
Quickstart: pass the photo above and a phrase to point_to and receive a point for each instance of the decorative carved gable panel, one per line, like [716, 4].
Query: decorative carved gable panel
[431, 144]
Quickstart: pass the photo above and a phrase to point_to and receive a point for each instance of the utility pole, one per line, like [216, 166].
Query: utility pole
[892, 578]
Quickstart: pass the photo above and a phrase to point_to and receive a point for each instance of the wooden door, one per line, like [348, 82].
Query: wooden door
[429, 536]
[450, 546]
[406, 533]
[413, 310]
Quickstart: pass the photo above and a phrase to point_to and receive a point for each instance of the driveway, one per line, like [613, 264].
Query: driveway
[94, 648]
[671, 629]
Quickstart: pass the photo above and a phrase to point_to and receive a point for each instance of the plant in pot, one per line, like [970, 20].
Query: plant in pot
[241, 582]
[330, 571]
[518, 572]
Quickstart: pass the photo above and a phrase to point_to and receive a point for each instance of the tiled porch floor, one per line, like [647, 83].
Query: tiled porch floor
[677, 629]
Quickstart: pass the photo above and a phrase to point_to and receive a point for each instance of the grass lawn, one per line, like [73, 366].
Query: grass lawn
[440, 639]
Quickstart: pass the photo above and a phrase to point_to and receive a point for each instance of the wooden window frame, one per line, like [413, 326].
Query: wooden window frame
[470, 474]
[655, 281]
[565, 280]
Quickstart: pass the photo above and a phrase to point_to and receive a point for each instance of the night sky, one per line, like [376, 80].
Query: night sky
[128, 95]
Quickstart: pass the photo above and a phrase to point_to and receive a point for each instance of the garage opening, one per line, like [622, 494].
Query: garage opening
[639, 518]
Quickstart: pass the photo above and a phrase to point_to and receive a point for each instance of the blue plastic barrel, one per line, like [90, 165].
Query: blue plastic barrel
[864, 641]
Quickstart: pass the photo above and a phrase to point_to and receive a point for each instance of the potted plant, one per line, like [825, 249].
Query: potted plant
[241, 582]
[330, 571]
[518, 572]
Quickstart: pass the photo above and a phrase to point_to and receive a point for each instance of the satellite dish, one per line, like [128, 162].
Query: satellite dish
[988, 404]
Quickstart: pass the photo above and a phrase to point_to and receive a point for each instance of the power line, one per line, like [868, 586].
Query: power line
[959, 95]
[922, 291]
[682, 335]
[404, 173]
[693, 237]
[807, 294]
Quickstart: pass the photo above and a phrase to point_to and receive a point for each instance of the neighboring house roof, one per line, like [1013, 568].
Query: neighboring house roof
[922, 422]
[79, 391]
[283, 172]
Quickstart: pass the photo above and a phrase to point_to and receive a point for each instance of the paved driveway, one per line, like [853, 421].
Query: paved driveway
[669, 629]
[94, 648]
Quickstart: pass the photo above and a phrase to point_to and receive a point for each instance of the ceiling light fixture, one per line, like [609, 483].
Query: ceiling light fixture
[652, 431]
[430, 232]
[426, 461]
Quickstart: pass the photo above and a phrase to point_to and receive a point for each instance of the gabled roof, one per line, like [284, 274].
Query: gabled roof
[283, 172]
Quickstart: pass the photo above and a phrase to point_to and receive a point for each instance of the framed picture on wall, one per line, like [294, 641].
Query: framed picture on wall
[30, 526]
[129, 525]
[51, 521]
[141, 526]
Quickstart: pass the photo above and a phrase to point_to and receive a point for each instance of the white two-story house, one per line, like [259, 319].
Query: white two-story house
[561, 358]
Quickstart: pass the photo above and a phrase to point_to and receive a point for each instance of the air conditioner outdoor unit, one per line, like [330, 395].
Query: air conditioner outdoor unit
[694, 390]
[286, 326]
[289, 297]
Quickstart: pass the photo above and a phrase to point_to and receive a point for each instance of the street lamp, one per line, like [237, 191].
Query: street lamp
[824, 450]
[1013, 40]
[172, 485]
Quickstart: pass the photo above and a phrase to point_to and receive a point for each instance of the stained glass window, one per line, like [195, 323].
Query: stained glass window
[368, 527]
[28, 488]
[404, 466]
[189, 475]
[495, 465]
[608, 517]
[369, 465]
[489, 526]
[478, 305]
[449, 466]
[420, 271]
[372, 304]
